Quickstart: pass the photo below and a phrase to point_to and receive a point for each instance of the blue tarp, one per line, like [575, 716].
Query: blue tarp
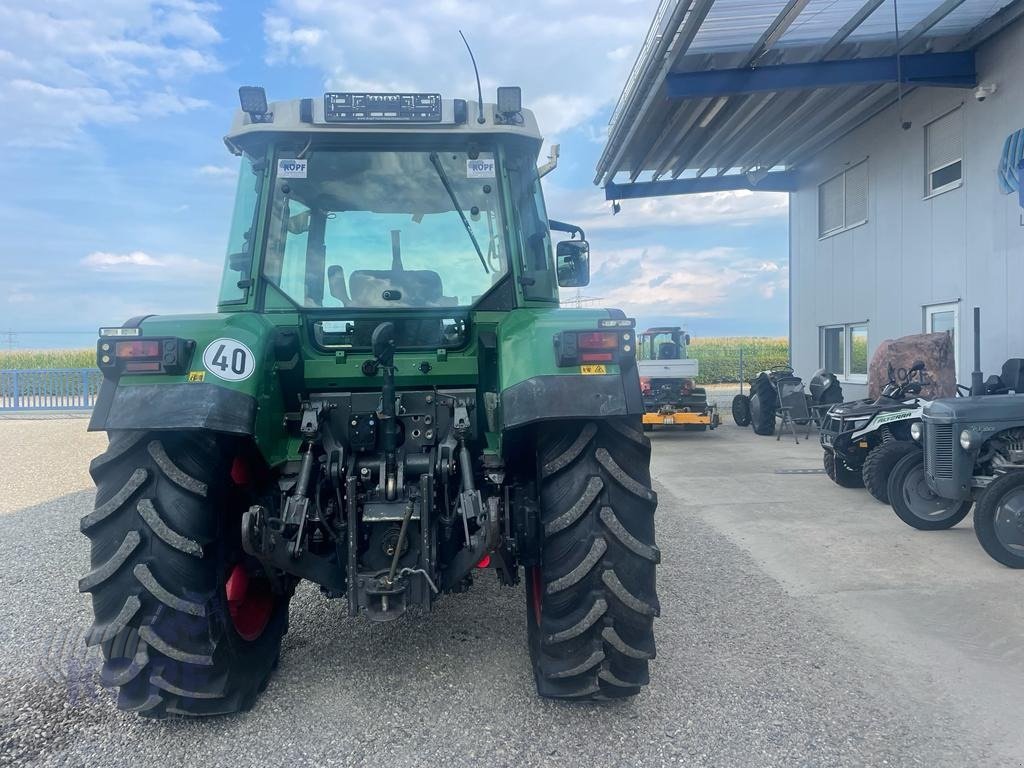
[1010, 163]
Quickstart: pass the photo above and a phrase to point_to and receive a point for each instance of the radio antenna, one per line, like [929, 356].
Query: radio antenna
[479, 91]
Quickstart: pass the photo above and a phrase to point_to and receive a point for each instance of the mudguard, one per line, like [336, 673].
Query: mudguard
[533, 386]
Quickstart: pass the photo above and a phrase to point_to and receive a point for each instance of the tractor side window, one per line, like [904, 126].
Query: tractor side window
[238, 264]
[535, 239]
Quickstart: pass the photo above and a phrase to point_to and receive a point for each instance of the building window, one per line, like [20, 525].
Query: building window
[945, 318]
[843, 200]
[943, 147]
[844, 351]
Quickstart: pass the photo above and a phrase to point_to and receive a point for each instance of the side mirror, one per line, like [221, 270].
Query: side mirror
[686, 339]
[572, 263]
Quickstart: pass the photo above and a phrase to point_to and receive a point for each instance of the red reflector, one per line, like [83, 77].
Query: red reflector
[484, 562]
[137, 349]
[596, 357]
[141, 367]
[597, 340]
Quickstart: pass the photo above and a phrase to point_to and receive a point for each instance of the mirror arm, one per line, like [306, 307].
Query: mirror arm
[571, 229]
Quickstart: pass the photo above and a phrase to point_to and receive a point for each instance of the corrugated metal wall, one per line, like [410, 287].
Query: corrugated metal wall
[963, 245]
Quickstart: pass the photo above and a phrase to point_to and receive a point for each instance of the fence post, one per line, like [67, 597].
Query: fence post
[85, 387]
[741, 370]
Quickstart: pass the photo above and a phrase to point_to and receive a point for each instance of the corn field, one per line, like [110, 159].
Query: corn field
[719, 356]
[21, 359]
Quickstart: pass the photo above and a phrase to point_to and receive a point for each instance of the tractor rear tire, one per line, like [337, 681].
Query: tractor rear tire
[839, 473]
[915, 504]
[186, 622]
[741, 410]
[762, 418]
[999, 520]
[591, 602]
[879, 463]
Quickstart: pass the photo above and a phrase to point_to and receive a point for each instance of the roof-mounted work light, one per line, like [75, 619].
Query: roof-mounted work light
[253, 100]
[510, 102]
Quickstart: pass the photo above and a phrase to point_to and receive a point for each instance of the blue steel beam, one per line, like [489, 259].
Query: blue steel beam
[774, 181]
[950, 70]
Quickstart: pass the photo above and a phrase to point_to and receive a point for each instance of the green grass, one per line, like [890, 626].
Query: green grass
[47, 358]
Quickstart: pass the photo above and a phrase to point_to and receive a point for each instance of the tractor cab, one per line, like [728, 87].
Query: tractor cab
[667, 343]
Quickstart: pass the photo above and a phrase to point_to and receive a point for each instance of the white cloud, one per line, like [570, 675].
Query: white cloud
[568, 71]
[143, 266]
[660, 280]
[219, 172]
[67, 66]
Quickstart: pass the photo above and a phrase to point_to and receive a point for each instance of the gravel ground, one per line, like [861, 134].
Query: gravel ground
[752, 669]
[32, 448]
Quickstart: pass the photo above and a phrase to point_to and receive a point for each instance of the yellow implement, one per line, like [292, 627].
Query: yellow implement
[680, 417]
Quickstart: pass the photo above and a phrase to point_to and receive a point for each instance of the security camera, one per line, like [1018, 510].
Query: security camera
[984, 90]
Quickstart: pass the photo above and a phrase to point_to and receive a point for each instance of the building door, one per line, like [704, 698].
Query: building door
[945, 318]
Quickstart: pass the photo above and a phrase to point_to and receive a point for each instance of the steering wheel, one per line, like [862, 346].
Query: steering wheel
[963, 391]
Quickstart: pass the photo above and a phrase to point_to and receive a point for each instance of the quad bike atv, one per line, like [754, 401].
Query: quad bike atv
[667, 381]
[863, 440]
[388, 403]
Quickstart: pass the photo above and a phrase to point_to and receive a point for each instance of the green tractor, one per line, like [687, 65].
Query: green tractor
[388, 402]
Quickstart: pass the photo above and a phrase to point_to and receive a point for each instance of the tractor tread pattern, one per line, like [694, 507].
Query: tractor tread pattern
[879, 463]
[148, 512]
[575, 512]
[111, 505]
[109, 567]
[596, 581]
[158, 550]
[173, 472]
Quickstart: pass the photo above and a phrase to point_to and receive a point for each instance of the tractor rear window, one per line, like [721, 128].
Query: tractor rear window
[386, 229]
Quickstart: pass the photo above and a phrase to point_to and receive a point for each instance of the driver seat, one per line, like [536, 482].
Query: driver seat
[416, 288]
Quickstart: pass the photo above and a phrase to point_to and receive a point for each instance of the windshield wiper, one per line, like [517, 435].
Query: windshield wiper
[436, 162]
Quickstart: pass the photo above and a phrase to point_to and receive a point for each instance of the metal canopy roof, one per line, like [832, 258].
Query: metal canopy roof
[740, 125]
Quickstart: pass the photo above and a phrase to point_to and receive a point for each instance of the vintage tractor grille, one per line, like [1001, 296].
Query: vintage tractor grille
[938, 455]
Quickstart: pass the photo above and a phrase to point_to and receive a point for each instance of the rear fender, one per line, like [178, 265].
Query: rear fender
[534, 388]
[205, 397]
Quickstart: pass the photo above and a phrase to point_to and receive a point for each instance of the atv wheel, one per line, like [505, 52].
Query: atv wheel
[591, 602]
[762, 418]
[187, 624]
[915, 503]
[839, 473]
[879, 463]
[741, 410]
[999, 520]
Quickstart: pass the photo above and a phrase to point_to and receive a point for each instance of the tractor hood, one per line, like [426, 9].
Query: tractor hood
[988, 408]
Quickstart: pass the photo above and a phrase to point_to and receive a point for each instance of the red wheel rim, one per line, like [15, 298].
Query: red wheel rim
[536, 584]
[250, 603]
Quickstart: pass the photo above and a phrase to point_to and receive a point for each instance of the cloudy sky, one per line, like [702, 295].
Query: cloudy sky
[117, 187]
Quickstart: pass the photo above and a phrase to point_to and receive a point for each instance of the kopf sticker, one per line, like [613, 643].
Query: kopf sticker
[290, 168]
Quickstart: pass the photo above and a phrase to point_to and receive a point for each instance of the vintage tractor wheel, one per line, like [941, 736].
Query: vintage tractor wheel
[741, 410]
[761, 417]
[839, 473]
[999, 520]
[186, 622]
[915, 503]
[591, 603]
[879, 463]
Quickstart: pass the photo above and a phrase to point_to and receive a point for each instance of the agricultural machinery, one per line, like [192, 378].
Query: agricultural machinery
[668, 382]
[973, 455]
[389, 402]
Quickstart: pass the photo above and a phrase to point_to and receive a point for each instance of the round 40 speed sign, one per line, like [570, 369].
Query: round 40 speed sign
[229, 360]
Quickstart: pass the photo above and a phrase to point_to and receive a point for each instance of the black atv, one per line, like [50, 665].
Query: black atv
[864, 439]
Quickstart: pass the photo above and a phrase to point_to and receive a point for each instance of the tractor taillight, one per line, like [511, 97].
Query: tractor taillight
[137, 349]
[579, 347]
[597, 340]
[165, 354]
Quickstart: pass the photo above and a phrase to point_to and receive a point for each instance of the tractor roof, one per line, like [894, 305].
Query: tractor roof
[307, 117]
[665, 329]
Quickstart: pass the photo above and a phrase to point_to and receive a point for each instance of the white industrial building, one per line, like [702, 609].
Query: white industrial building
[900, 155]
